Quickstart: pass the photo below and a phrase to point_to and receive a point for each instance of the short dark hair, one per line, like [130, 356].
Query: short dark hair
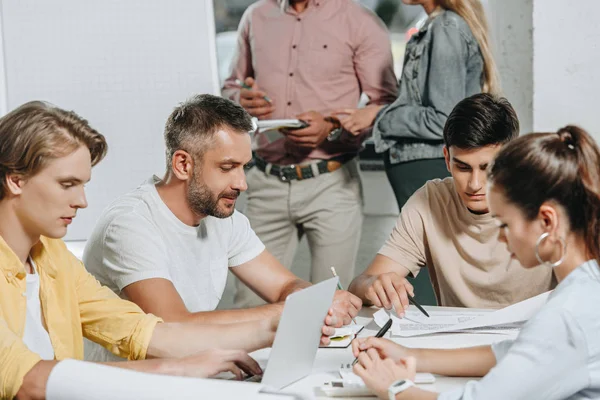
[193, 123]
[481, 120]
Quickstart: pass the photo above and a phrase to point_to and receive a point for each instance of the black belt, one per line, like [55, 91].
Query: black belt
[299, 172]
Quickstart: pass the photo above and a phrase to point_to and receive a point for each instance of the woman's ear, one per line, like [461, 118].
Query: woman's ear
[549, 217]
[14, 184]
[182, 165]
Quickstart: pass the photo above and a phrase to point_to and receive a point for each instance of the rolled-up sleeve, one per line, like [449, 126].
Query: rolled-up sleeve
[16, 360]
[116, 324]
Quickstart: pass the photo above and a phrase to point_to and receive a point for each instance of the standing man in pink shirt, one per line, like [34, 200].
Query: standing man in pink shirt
[305, 59]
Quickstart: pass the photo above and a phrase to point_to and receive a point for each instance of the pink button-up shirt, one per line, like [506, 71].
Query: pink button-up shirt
[320, 59]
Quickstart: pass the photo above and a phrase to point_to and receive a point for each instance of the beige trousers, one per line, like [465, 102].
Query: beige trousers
[326, 208]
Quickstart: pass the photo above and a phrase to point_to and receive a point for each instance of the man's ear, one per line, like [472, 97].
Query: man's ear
[14, 184]
[182, 165]
[447, 158]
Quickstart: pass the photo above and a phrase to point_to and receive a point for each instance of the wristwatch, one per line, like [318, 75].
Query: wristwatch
[337, 128]
[399, 386]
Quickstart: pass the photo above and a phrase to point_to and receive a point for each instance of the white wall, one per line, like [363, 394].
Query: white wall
[123, 65]
[548, 55]
[566, 59]
[511, 29]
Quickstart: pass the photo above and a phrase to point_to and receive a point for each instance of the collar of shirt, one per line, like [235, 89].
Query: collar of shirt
[285, 5]
[11, 265]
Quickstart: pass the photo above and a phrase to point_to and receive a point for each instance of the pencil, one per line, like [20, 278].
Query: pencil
[340, 287]
[243, 84]
[379, 334]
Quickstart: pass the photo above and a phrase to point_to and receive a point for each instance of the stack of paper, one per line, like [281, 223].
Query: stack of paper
[506, 320]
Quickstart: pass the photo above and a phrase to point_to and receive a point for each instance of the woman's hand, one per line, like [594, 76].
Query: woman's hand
[378, 374]
[384, 347]
[357, 119]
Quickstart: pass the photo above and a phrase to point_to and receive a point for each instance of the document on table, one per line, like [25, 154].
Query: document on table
[506, 320]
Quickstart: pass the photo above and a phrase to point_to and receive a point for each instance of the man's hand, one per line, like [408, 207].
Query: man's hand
[209, 363]
[253, 100]
[344, 307]
[378, 374]
[389, 289]
[313, 135]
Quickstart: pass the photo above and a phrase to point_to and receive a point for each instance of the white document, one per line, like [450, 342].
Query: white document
[503, 321]
[75, 380]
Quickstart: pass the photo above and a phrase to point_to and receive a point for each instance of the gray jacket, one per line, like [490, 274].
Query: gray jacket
[442, 66]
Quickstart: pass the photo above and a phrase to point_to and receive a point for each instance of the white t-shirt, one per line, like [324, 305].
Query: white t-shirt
[36, 337]
[138, 238]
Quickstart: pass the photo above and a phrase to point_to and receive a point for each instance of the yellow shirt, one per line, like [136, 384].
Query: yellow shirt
[74, 305]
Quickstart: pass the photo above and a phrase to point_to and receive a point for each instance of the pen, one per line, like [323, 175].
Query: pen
[412, 300]
[379, 334]
[340, 287]
[243, 84]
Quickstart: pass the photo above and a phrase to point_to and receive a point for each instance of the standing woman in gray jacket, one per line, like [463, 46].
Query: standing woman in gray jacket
[448, 59]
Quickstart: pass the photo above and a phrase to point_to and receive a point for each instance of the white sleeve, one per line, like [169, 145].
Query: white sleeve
[133, 250]
[244, 245]
[547, 361]
[500, 349]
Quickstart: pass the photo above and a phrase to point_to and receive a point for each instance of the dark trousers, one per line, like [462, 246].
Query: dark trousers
[406, 178]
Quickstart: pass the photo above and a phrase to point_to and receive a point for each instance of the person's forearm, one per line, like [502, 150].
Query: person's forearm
[359, 286]
[474, 361]
[233, 316]
[172, 340]
[35, 381]
[293, 286]
[415, 393]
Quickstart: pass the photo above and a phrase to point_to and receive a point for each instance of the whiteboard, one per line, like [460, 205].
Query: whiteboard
[121, 64]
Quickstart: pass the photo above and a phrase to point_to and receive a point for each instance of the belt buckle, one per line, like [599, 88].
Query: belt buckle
[282, 175]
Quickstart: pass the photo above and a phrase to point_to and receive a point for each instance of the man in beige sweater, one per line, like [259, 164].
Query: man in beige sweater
[446, 227]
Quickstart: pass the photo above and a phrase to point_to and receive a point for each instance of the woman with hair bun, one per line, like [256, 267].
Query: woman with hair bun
[544, 190]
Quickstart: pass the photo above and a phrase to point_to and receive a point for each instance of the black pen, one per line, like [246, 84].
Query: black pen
[379, 334]
[412, 300]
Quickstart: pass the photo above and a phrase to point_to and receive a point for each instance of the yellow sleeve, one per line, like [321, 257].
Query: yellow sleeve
[118, 325]
[16, 360]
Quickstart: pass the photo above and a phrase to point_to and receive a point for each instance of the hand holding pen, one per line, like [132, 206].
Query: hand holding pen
[254, 100]
[379, 334]
[389, 290]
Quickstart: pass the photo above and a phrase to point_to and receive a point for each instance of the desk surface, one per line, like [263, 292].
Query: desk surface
[328, 361]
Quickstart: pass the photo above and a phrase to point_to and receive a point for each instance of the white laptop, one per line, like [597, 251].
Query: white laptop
[298, 335]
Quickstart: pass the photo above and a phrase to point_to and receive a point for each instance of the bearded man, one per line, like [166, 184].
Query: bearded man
[167, 245]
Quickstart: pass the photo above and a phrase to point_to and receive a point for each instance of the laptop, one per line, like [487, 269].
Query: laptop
[298, 335]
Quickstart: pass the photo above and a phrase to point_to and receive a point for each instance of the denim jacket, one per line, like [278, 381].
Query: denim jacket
[442, 66]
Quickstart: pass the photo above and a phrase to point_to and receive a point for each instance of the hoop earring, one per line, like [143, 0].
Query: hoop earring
[542, 237]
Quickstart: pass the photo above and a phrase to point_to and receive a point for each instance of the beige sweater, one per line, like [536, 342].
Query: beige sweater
[469, 267]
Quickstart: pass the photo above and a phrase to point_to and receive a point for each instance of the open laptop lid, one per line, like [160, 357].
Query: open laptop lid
[298, 334]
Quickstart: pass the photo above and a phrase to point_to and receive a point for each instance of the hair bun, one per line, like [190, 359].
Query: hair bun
[567, 136]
